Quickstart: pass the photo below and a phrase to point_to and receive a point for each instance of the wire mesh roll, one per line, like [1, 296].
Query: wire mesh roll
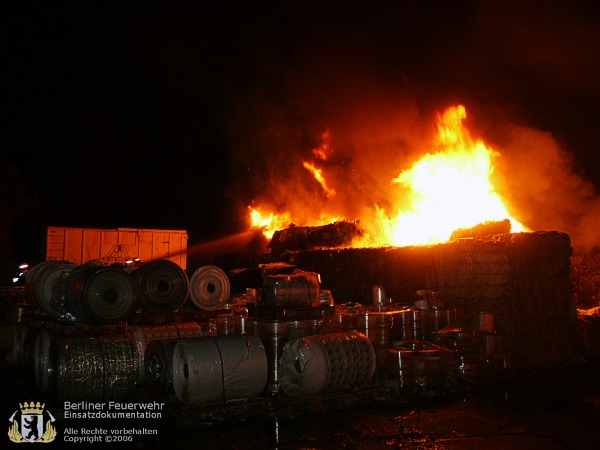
[158, 366]
[43, 366]
[161, 285]
[220, 368]
[143, 335]
[97, 294]
[40, 283]
[326, 363]
[210, 288]
[93, 368]
[120, 366]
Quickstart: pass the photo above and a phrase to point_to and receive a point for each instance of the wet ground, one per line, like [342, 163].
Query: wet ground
[545, 408]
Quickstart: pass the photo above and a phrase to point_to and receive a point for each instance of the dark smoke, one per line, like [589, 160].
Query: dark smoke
[528, 73]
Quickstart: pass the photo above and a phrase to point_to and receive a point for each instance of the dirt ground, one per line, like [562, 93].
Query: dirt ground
[547, 408]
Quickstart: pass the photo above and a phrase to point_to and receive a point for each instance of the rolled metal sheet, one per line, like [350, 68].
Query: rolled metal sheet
[142, 335]
[326, 363]
[43, 366]
[215, 369]
[158, 365]
[40, 283]
[160, 285]
[210, 288]
[24, 348]
[93, 368]
[275, 334]
[291, 291]
[96, 294]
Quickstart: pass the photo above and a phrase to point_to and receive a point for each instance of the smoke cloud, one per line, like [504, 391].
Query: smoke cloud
[375, 80]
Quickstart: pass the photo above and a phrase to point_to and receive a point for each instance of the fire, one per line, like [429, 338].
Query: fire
[318, 175]
[269, 223]
[448, 188]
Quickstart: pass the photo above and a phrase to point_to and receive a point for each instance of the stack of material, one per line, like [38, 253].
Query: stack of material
[523, 279]
[337, 234]
[326, 363]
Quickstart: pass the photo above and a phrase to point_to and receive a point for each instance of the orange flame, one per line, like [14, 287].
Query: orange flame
[447, 189]
[321, 152]
[269, 223]
[318, 175]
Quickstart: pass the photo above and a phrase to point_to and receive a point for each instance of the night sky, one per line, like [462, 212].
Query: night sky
[178, 115]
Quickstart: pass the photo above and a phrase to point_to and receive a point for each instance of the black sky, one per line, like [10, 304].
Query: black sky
[177, 115]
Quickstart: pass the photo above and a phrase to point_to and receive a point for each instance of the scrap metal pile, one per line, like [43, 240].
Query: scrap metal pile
[112, 333]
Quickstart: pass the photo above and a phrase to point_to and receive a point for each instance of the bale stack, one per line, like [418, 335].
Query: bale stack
[522, 278]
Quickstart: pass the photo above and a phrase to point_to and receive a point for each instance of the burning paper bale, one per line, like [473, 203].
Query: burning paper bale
[337, 234]
[484, 230]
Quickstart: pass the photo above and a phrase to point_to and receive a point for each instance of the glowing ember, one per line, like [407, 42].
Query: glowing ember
[447, 189]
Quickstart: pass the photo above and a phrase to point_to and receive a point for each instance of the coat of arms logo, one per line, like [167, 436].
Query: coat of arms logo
[30, 428]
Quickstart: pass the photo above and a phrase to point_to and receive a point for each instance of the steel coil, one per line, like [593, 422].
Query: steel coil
[42, 365]
[210, 288]
[291, 291]
[142, 335]
[216, 369]
[160, 285]
[93, 368]
[40, 283]
[158, 366]
[98, 294]
[326, 363]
